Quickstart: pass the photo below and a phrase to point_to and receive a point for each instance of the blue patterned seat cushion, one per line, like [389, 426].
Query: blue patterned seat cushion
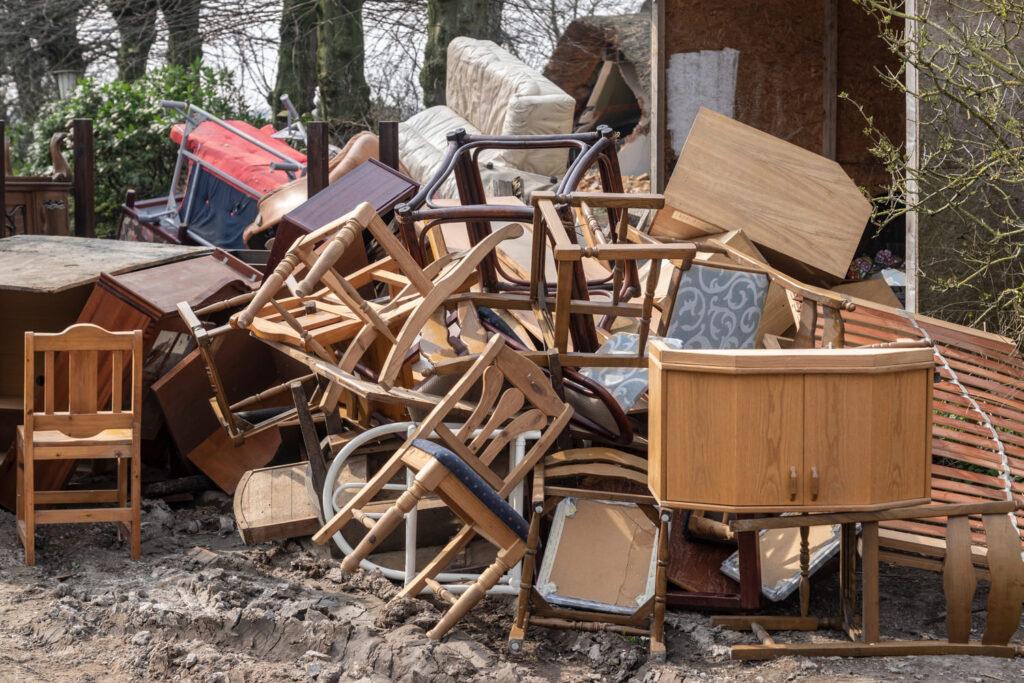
[476, 485]
[715, 309]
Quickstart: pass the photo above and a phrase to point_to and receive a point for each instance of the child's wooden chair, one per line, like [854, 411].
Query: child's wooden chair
[72, 425]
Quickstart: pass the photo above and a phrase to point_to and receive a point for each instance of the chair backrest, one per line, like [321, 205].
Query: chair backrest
[80, 365]
[715, 308]
[515, 396]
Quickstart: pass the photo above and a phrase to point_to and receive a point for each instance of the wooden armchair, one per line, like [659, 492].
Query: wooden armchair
[72, 425]
[515, 397]
[568, 475]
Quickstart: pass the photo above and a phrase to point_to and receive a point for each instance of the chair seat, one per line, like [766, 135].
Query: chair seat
[477, 486]
[107, 437]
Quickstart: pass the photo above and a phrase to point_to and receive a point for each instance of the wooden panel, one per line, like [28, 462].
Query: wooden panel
[738, 441]
[866, 437]
[790, 201]
[272, 503]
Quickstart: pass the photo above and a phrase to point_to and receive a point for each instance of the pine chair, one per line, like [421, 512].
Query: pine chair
[514, 397]
[72, 425]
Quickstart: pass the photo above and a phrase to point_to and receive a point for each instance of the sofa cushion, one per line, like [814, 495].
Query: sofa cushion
[501, 95]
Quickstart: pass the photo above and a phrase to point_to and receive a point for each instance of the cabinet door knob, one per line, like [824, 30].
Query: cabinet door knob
[792, 483]
[814, 483]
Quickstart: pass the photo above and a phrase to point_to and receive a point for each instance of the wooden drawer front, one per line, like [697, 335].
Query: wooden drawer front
[865, 436]
[730, 440]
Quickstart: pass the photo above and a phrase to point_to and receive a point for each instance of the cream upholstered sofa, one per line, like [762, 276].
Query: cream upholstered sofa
[489, 92]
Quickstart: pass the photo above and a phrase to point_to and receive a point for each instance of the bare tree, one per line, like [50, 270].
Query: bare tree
[296, 55]
[344, 92]
[136, 27]
[969, 180]
[448, 19]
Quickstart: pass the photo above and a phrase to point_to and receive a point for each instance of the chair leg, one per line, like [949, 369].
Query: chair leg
[122, 494]
[29, 505]
[506, 559]
[517, 634]
[440, 562]
[136, 468]
[658, 651]
[423, 484]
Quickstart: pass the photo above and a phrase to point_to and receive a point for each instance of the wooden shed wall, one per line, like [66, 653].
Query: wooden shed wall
[780, 79]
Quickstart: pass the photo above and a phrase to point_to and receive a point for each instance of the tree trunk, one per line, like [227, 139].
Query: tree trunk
[184, 43]
[344, 93]
[136, 25]
[296, 56]
[448, 19]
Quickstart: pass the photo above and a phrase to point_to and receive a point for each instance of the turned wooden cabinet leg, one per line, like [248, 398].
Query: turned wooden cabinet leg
[658, 651]
[805, 571]
[847, 575]
[869, 562]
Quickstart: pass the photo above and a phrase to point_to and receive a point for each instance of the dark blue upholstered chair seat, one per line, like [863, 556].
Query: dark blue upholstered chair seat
[476, 485]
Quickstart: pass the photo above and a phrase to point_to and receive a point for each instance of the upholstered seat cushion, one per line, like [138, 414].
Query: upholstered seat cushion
[476, 485]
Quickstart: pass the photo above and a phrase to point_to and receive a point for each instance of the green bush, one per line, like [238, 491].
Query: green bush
[131, 129]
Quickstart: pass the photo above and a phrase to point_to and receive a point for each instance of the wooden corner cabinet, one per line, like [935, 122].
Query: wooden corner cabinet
[790, 430]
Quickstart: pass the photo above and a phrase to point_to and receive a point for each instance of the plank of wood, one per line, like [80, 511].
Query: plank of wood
[958, 580]
[875, 290]
[886, 648]
[797, 204]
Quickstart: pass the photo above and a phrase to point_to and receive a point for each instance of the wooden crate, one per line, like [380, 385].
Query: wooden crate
[802, 430]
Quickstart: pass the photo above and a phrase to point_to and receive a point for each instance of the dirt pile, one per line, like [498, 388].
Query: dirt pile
[201, 606]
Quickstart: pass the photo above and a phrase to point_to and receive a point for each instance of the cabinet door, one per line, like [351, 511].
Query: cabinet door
[732, 440]
[866, 438]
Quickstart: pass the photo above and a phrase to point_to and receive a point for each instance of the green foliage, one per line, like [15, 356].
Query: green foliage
[131, 129]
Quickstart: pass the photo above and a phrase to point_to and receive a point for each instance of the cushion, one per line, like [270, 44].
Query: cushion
[626, 385]
[476, 485]
[501, 95]
[717, 308]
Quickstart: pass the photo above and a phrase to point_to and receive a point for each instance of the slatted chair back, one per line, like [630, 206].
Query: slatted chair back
[79, 365]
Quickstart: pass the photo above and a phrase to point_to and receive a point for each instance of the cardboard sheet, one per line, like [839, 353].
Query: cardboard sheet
[600, 555]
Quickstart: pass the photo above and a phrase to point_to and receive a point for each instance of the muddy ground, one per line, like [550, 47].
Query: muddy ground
[201, 606]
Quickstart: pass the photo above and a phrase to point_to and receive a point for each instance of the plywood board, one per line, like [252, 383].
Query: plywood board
[47, 263]
[799, 206]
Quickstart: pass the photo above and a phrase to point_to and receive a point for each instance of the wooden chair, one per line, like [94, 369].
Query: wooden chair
[72, 425]
[578, 467]
[514, 397]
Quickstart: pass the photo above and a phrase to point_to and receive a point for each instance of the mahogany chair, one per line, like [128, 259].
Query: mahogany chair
[70, 424]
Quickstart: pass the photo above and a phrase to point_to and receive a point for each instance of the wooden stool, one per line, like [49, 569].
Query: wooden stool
[79, 429]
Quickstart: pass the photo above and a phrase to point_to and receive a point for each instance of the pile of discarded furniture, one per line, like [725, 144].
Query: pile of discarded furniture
[607, 404]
